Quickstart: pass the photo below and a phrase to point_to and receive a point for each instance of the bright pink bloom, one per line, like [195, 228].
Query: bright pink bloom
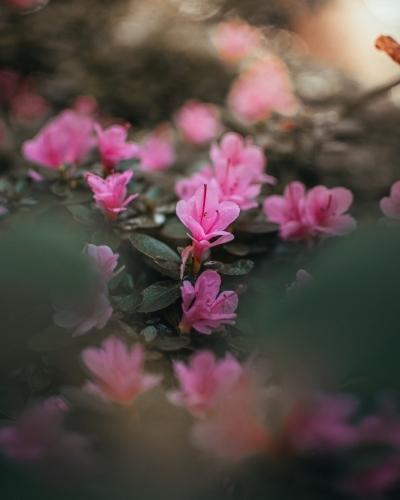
[93, 311]
[207, 219]
[186, 188]
[303, 278]
[113, 146]
[263, 88]
[157, 152]
[67, 139]
[202, 309]
[236, 40]
[198, 122]
[110, 193]
[321, 424]
[288, 211]
[233, 430]
[390, 205]
[117, 371]
[37, 441]
[204, 382]
[320, 212]
[324, 211]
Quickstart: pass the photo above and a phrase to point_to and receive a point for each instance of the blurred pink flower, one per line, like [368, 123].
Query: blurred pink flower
[233, 430]
[113, 146]
[67, 139]
[157, 152]
[85, 105]
[117, 371]
[303, 278]
[263, 88]
[37, 441]
[320, 212]
[390, 205]
[207, 219]
[186, 188]
[27, 106]
[236, 40]
[198, 122]
[204, 381]
[26, 5]
[110, 193]
[202, 309]
[93, 310]
[321, 424]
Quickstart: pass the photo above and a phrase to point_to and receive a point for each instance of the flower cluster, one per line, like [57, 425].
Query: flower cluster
[318, 213]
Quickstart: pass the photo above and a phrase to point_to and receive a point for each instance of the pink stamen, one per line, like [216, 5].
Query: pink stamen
[203, 212]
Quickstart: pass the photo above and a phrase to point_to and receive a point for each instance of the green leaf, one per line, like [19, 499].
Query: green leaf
[82, 214]
[238, 249]
[238, 268]
[161, 253]
[174, 228]
[243, 343]
[107, 238]
[50, 339]
[159, 296]
[126, 303]
[172, 343]
[39, 380]
[257, 227]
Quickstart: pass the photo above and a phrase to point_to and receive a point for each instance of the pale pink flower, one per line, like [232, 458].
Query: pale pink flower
[322, 424]
[79, 315]
[320, 212]
[110, 193]
[263, 88]
[233, 430]
[198, 122]
[205, 310]
[37, 442]
[288, 211]
[207, 219]
[186, 188]
[303, 278]
[113, 146]
[117, 371]
[325, 212]
[204, 381]
[390, 205]
[65, 140]
[236, 40]
[157, 152]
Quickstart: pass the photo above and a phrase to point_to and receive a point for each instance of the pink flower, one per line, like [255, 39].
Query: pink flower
[37, 441]
[207, 218]
[288, 211]
[92, 311]
[236, 40]
[324, 211]
[27, 106]
[67, 139]
[321, 424]
[202, 309]
[263, 88]
[110, 193]
[157, 152]
[303, 278]
[198, 122]
[320, 212]
[390, 206]
[113, 146]
[186, 188]
[204, 382]
[85, 105]
[233, 430]
[117, 371]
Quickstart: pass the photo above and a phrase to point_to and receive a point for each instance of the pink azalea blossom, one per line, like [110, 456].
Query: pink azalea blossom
[320, 212]
[110, 193]
[303, 278]
[117, 371]
[37, 442]
[236, 40]
[321, 424]
[157, 152]
[390, 205]
[207, 219]
[27, 106]
[203, 308]
[186, 188]
[85, 105]
[204, 381]
[233, 430]
[67, 139]
[263, 88]
[113, 146]
[198, 122]
[79, 315]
